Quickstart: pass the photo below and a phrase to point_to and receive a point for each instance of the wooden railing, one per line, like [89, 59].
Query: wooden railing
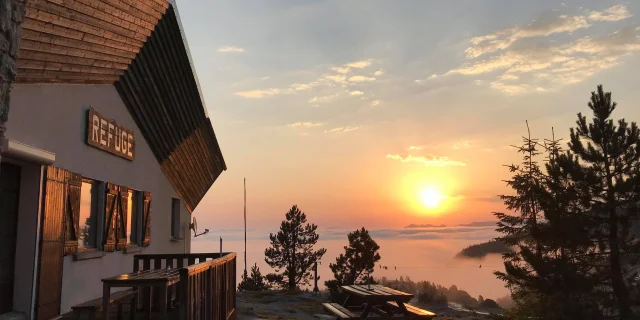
[207, 290]
[207, 286]
[162, 261]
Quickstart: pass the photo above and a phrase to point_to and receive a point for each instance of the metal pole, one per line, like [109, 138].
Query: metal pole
[220, 247]
[245, 225]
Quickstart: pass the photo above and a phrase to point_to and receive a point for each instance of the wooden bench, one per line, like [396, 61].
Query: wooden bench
[339, 311]
[413, 310]
[94, 306]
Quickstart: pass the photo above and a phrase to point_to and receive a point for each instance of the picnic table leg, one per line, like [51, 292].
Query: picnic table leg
[402, 308]
[162, 296]
[346, 301]
[146, 302]
[106, 293]
[367, 308]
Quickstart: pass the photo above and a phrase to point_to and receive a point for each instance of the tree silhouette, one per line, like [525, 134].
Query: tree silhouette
[255, 282]
[356, 264]
[291, 253]
[543, 283]
[603, 167]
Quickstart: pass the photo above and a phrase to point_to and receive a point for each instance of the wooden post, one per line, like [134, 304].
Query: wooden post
[220, 247]
[315, 277]
[245, 225]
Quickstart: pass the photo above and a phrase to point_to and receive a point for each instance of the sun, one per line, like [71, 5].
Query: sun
[430, 198]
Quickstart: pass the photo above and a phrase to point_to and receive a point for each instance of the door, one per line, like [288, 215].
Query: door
[9, 198]
[51, 245]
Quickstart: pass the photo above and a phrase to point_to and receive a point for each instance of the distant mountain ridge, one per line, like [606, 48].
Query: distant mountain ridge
[472, 224]
[425, 226]
[481, 250]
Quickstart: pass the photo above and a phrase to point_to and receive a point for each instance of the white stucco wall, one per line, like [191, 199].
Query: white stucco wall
[53, 118]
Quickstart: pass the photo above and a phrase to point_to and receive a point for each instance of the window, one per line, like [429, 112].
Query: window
[175, 218]
[88, 222]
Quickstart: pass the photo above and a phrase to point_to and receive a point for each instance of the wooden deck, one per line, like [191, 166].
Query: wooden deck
[202, 287]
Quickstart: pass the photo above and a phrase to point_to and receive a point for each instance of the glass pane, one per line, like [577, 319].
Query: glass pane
[87, 235]
[130, 215]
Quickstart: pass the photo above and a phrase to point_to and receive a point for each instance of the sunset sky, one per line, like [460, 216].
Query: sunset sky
[352, 109]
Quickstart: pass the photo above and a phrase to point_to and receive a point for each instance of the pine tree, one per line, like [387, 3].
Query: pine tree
[543, 283]
[255, 282]
[357, 263]
[603, 165]
[291, 253]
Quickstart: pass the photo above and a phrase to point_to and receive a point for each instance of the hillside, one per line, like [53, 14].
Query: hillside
[481, 250]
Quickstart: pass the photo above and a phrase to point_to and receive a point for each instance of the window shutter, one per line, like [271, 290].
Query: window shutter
[146, 220]
[72, 211]
[121, 225]
[110, 216]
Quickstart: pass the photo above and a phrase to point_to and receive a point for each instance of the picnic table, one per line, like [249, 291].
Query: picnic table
[159, 279]
[387, 303]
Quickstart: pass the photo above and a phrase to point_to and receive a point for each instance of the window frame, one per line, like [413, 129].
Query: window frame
[137, 201]
[98, 194]
[176, 213]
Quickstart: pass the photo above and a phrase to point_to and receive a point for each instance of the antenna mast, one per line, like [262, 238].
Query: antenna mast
[245, 225]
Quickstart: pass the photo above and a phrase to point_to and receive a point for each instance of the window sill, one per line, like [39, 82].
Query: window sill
[174, 239]
[132, 249]
[88, 255]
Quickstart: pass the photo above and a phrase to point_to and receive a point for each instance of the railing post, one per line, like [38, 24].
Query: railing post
[183, 294]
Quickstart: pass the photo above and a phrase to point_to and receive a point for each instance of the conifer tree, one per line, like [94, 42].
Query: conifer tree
[357, 263]
[255, 282]
[291, 253]
[603, 167]
[542, 283]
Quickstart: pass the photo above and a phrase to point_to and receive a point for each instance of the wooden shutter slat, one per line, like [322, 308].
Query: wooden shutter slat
[72, 211]
[51, 245]
[110, 216]
[121, 226]
[146, 227]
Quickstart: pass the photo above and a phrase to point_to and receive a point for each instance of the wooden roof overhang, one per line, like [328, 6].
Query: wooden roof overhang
[136, 45]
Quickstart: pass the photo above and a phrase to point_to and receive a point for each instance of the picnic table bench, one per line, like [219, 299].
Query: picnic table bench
[160, 279]
[387, 303]
[90, 308]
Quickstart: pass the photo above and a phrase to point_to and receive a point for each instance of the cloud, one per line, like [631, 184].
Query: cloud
[479, 224]
[356, 93]
[504, 38]
[615, 13]
[261, 93]
[412, 148]
[342, 70]
[323, 99]
[515, 89]
[541, 67]
[375, 102]
[431, 77]
[378, 73]
[508, 76]
[359, 64]
[301, 86]
[258, 93]
[341, 129]
[337, 78]
[306, 124]
[428, 225]
[361, 79]
[461, 145]
[430, 161]
[230, 49]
